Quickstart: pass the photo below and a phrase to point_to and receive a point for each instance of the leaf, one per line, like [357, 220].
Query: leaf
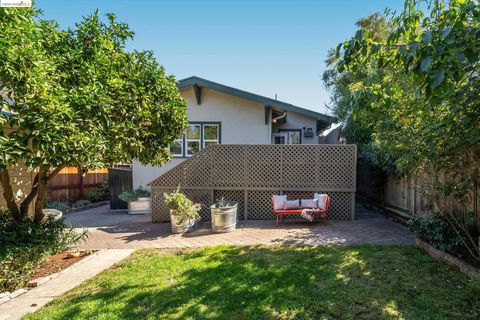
[446, 32]
[426, 37]
[436, 78]
[425, 64]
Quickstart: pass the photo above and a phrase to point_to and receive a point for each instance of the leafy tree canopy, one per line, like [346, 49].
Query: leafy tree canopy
[77, 97]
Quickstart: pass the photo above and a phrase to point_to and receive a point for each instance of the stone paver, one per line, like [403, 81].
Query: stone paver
[121, 231]
[38, 297]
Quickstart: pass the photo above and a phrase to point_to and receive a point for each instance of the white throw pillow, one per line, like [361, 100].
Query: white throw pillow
[309, 203]
[278, 201]
[322, 200]
[291, 204]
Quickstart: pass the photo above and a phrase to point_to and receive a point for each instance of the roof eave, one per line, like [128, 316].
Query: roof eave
[255, 97]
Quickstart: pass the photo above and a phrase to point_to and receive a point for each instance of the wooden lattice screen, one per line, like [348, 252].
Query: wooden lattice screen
[251, 174]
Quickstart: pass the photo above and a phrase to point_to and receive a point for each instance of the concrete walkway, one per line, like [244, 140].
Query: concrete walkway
[119, 230]
[38, 297]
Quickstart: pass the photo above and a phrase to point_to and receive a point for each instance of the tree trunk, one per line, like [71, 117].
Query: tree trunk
[41, 194]
[8, 194]
[25, 204]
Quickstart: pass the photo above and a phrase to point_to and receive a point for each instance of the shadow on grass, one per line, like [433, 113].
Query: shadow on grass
[346, 282]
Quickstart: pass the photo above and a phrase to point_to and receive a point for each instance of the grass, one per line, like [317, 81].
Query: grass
[341, 282]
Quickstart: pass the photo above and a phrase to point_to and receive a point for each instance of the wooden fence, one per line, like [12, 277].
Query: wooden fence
[402, 195]
[71, 184]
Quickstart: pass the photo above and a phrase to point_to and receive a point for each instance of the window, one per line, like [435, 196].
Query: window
[197, 136]
[211, 134]
[193, 137]
[177, 147]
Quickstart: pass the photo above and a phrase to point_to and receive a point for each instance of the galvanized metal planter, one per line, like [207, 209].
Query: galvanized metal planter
[140, 206]
[183, 225]
[224, 219]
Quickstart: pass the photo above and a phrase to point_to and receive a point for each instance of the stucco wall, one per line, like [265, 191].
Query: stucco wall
[298, 121]
[243, 122]
[21, 178]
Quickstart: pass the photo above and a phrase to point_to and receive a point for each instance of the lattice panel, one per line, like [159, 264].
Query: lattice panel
[264, 166]
[259, 169]
[228, 166]
[202, 197]
[260, 205]
[341, 205]
[336, 167]
[172, 177]
[233, 195]
[299, 166]
[160, 212]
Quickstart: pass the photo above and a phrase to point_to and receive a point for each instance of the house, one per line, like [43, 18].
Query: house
[219, 114]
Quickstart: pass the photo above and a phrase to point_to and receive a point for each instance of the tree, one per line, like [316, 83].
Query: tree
[425, 108]
[80, 99]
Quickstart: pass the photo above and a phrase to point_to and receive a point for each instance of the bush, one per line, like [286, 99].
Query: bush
[24, 245]
[81, 203]
[59, 205]
[129, 196]
[439, 233]
[101, 193]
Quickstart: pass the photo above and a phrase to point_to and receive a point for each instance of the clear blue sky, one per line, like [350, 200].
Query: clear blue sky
[265, 47]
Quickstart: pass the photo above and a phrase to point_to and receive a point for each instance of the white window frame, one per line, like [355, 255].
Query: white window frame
[184, 141]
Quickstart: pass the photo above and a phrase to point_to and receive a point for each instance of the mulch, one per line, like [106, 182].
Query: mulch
[59, 262]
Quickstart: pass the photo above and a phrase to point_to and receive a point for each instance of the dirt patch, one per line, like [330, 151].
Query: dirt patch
[59, 262]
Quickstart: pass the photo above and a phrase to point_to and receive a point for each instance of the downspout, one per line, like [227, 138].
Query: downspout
[274, 120]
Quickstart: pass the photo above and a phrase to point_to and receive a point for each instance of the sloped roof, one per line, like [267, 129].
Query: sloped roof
[203, 83]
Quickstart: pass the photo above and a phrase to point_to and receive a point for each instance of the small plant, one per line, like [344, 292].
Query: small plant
[59, 205]
[81, 203]
[181, 206]
[129, 196]
[100, 193]
[222, 203]
[436, 230]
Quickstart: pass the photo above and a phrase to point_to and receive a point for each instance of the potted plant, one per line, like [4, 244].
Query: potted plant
[224, 215]
[139, 201]
[184, 215]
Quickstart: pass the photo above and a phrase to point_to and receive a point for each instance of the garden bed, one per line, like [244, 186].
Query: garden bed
[274, 282]
[55, 264]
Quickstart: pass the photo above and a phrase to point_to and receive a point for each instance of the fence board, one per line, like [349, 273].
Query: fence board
[70, 184]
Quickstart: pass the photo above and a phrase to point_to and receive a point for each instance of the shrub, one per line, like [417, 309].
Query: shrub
[81, 203]
[101, 193]
[24, 245]
[129, 196]
[59, 205]
[436, 230]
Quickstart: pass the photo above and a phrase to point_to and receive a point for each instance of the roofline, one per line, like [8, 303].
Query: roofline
[254, 97]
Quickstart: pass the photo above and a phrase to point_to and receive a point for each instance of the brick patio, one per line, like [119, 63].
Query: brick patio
[114, 230]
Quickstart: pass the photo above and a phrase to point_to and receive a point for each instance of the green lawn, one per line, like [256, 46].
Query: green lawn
[340, 282]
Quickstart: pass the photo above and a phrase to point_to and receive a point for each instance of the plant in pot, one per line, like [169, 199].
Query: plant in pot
[184, 215]
[138, 200]
[224, 215]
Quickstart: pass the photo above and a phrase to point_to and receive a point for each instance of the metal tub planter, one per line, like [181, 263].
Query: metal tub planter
[224, 216]
[184, 215]
[181, 224]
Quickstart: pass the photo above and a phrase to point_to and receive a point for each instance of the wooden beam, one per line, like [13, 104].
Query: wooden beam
[198, 93]
[267, 114]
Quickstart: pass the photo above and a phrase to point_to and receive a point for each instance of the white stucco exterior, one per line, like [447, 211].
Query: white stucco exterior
[242, 120]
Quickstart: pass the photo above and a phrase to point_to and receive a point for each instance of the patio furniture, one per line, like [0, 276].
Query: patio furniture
[323, 213]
